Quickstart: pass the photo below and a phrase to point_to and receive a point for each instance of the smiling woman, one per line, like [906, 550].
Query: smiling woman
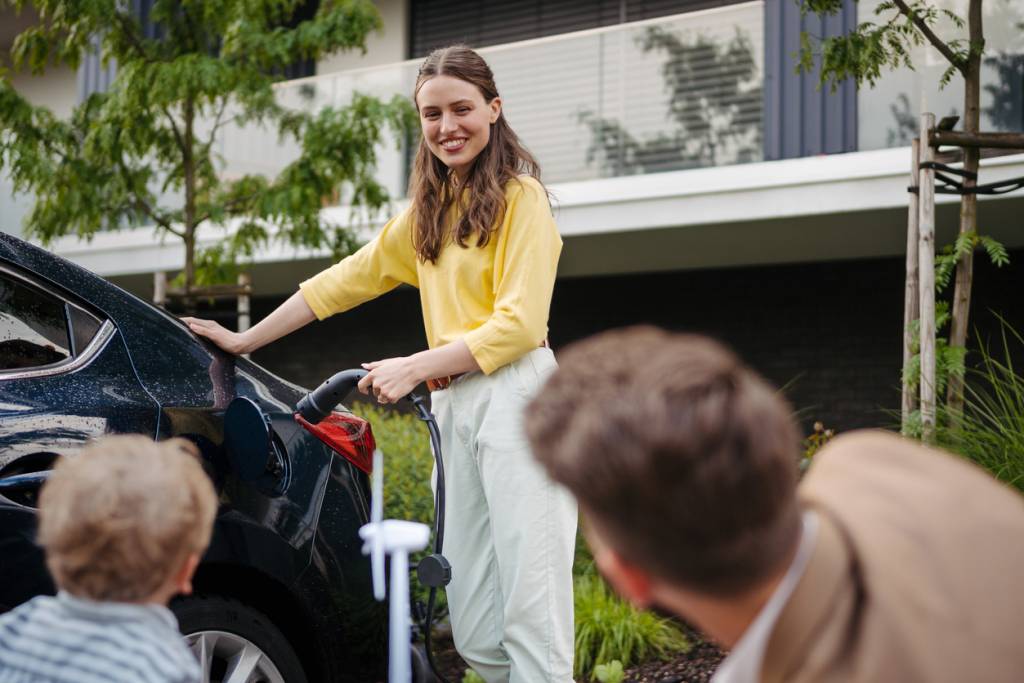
[456, 121]
[479, 242]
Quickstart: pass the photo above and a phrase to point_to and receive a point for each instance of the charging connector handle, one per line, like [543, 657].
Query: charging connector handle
[319, 403]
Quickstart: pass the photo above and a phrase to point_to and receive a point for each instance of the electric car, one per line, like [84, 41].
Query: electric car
[283, 595]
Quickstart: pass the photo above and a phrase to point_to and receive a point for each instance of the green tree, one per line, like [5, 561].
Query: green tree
[153, 135]
[886, 44]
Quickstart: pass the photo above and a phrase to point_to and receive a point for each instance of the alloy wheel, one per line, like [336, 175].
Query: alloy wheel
[230, 658]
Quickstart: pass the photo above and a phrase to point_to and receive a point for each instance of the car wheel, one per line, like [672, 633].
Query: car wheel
[235, 643]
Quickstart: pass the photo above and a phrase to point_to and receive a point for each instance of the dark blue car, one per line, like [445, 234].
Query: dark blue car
[283, 594]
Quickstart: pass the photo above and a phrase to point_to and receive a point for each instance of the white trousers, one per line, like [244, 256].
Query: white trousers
[509, 530]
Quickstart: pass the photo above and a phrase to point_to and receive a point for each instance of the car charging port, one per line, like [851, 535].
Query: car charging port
[256, 452]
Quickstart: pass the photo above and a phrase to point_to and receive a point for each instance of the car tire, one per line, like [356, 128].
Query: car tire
[227, 635]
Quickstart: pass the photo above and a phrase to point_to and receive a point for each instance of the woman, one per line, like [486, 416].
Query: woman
[479, 242]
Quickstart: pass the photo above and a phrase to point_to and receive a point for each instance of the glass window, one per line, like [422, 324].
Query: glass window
[888, 113]
[33, 327]
[84, 326]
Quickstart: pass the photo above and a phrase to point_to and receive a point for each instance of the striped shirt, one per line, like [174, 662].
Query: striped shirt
[66, 639]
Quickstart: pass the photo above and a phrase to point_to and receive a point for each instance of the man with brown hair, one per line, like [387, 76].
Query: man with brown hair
[888, 562]
[123, 524]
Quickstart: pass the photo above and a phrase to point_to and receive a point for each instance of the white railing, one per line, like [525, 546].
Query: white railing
[665, 94]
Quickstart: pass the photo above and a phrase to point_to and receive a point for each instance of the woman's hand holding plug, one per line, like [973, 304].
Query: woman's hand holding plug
[390, 379]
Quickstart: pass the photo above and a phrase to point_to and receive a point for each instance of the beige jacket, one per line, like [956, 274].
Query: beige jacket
[917, 573]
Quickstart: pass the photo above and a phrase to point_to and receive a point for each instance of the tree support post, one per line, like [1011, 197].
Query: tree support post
[244, 287]
[160, 289]
[926, 275]
[911, 299]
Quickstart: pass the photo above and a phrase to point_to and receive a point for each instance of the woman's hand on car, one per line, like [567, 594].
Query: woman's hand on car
[391, 379]
[232, 342]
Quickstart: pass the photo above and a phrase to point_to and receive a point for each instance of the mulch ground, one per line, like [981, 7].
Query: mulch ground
[696, 666]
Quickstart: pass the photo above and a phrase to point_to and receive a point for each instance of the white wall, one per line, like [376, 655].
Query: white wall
[56, 89]
[383, 47]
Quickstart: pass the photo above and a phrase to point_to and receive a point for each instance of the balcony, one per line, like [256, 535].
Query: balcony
[662, 95]
[644, 131]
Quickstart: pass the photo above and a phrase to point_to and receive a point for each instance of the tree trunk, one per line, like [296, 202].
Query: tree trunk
[968, 204]
[189, 173]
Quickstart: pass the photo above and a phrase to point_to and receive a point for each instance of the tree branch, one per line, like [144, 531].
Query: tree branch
[229, 206]
[216, 124]
[143, 205]
[930, 35]
[174, 128]
[128, 29]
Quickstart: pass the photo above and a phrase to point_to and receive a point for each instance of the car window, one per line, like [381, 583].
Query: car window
[84, 326]
[33, 326]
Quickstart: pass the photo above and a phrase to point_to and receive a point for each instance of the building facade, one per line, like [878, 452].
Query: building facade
[700, 183]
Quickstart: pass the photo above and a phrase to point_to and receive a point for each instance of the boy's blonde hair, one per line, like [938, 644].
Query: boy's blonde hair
[121, 517]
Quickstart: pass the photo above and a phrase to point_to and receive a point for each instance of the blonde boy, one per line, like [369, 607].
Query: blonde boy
[123, 525]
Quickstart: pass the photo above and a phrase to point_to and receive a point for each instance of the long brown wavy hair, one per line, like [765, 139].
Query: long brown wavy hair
[432, 185]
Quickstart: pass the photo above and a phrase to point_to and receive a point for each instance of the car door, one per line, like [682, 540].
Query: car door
[65, 378]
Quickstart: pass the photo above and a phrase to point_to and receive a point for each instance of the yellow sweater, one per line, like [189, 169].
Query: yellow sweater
[497, 297]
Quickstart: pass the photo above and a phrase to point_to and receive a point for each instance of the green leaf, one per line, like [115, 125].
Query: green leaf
[996, 251]
[872, 46]
[122, 156]
[611, 672]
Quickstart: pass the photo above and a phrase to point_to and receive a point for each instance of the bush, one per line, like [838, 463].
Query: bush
[405, 443]
[814, 443]
[611, 672]
[608, 629]
[991, 430]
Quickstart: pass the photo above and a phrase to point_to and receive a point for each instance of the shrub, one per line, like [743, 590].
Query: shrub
[612, 672]
[583, 560]
[403, 440]
[814, 443]
[405, 443]
[608, 628]
[991, 430]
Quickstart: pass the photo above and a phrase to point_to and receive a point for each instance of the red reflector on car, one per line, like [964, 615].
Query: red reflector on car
[347, 435]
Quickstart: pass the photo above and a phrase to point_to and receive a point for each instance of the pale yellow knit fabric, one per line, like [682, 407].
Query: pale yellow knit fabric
[496, 297]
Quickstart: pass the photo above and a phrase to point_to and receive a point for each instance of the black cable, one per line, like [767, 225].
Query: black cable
[435, 443]
[431, 596]
[951, 186]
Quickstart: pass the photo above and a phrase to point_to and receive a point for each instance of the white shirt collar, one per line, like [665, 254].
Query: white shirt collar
[743, 665]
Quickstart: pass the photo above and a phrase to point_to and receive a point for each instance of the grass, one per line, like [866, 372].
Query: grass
[991, 430]
[608, 628]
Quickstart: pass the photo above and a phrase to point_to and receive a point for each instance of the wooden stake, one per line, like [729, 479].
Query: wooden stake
[160, 288]
[911, 299]
[1012, 141]
[244, 285]
[926, 273]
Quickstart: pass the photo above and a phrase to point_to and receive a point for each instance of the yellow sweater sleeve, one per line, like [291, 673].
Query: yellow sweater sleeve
[382, 264]
[525, 261]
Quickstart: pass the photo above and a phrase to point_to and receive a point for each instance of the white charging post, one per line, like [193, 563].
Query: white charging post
[396, 538]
